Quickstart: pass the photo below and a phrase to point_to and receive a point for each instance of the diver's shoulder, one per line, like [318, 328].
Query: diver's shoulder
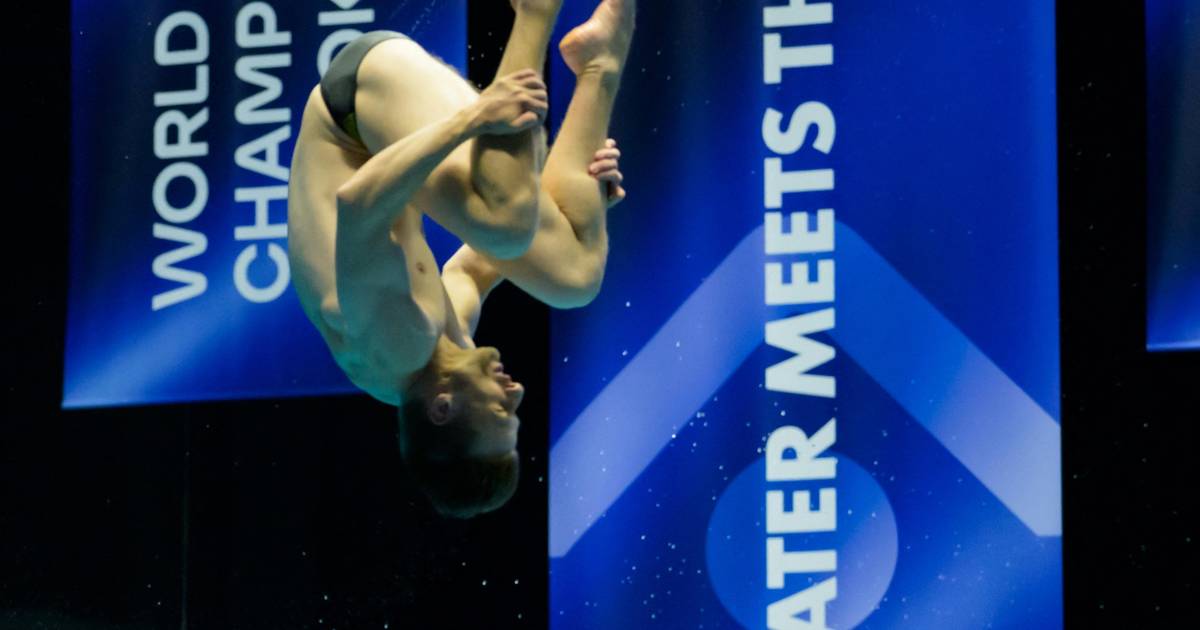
[381, 363]
[378, 379]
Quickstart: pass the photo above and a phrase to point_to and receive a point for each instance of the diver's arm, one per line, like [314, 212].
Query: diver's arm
[383, 186]
[560, 268]
[391, 177]
[468, 279]
[372, 277]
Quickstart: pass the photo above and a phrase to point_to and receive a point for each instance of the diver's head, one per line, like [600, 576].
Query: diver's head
[473, 389]
[458, 431]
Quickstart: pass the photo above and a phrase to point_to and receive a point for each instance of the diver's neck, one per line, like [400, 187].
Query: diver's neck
[449, 347]
[444, 352]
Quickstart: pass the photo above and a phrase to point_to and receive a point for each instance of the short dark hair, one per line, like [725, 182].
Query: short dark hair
[457, 485]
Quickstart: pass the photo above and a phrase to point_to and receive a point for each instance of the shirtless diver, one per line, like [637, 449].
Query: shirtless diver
[392, 134]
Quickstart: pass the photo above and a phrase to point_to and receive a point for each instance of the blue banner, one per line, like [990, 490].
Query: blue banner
[820, 386]
[1173, 166]
[184, 118]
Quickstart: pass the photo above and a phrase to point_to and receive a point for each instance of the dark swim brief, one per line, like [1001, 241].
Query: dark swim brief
[341, 79]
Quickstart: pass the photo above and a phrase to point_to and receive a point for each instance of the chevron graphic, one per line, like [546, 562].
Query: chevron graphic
[966, 402]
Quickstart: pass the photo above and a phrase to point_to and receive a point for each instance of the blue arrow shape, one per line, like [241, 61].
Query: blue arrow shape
[998, 433]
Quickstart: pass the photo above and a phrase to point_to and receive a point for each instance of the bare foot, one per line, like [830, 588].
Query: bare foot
[601, 43]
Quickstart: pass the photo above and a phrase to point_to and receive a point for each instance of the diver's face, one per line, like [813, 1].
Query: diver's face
[487, 399]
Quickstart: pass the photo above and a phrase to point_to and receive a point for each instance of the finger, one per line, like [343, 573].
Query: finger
[611, 176]
[528, 78]
[531, 101]
[611, 142]
[602, 165]
[538, 95]
[614, 194]
[538, 108]
[534, 82]
[525, 121]
[607, 154]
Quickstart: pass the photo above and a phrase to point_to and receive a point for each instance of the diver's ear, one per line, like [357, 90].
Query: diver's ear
[439, 409]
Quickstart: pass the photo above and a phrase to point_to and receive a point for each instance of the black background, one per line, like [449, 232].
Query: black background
[296, 514]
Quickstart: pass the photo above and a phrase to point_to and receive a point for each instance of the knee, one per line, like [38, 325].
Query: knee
[580, 298]
[581, 288]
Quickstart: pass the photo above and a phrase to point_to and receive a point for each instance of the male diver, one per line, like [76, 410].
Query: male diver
[392, 134]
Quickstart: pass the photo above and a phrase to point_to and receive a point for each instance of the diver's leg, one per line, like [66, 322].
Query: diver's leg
[401, 89]
[504, 167]
[564, 265]
[483, 193]
[596, 52]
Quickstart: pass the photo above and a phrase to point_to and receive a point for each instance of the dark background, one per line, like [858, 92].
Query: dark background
[286, 514]
[1129, 416]
[296, 514]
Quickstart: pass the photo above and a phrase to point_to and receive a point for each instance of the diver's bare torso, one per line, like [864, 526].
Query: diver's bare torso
[409, 108]
[325, 158]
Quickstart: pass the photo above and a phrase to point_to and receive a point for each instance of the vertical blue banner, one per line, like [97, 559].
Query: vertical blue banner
[184, 118]
[820, 387]
[1173, 163]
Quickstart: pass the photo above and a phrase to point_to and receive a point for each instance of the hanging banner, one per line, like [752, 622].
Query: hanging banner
[820, 386]
[184, 119]
[1173, 170]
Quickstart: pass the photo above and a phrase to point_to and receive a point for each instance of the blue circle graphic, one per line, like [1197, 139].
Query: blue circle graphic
[866, 543]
